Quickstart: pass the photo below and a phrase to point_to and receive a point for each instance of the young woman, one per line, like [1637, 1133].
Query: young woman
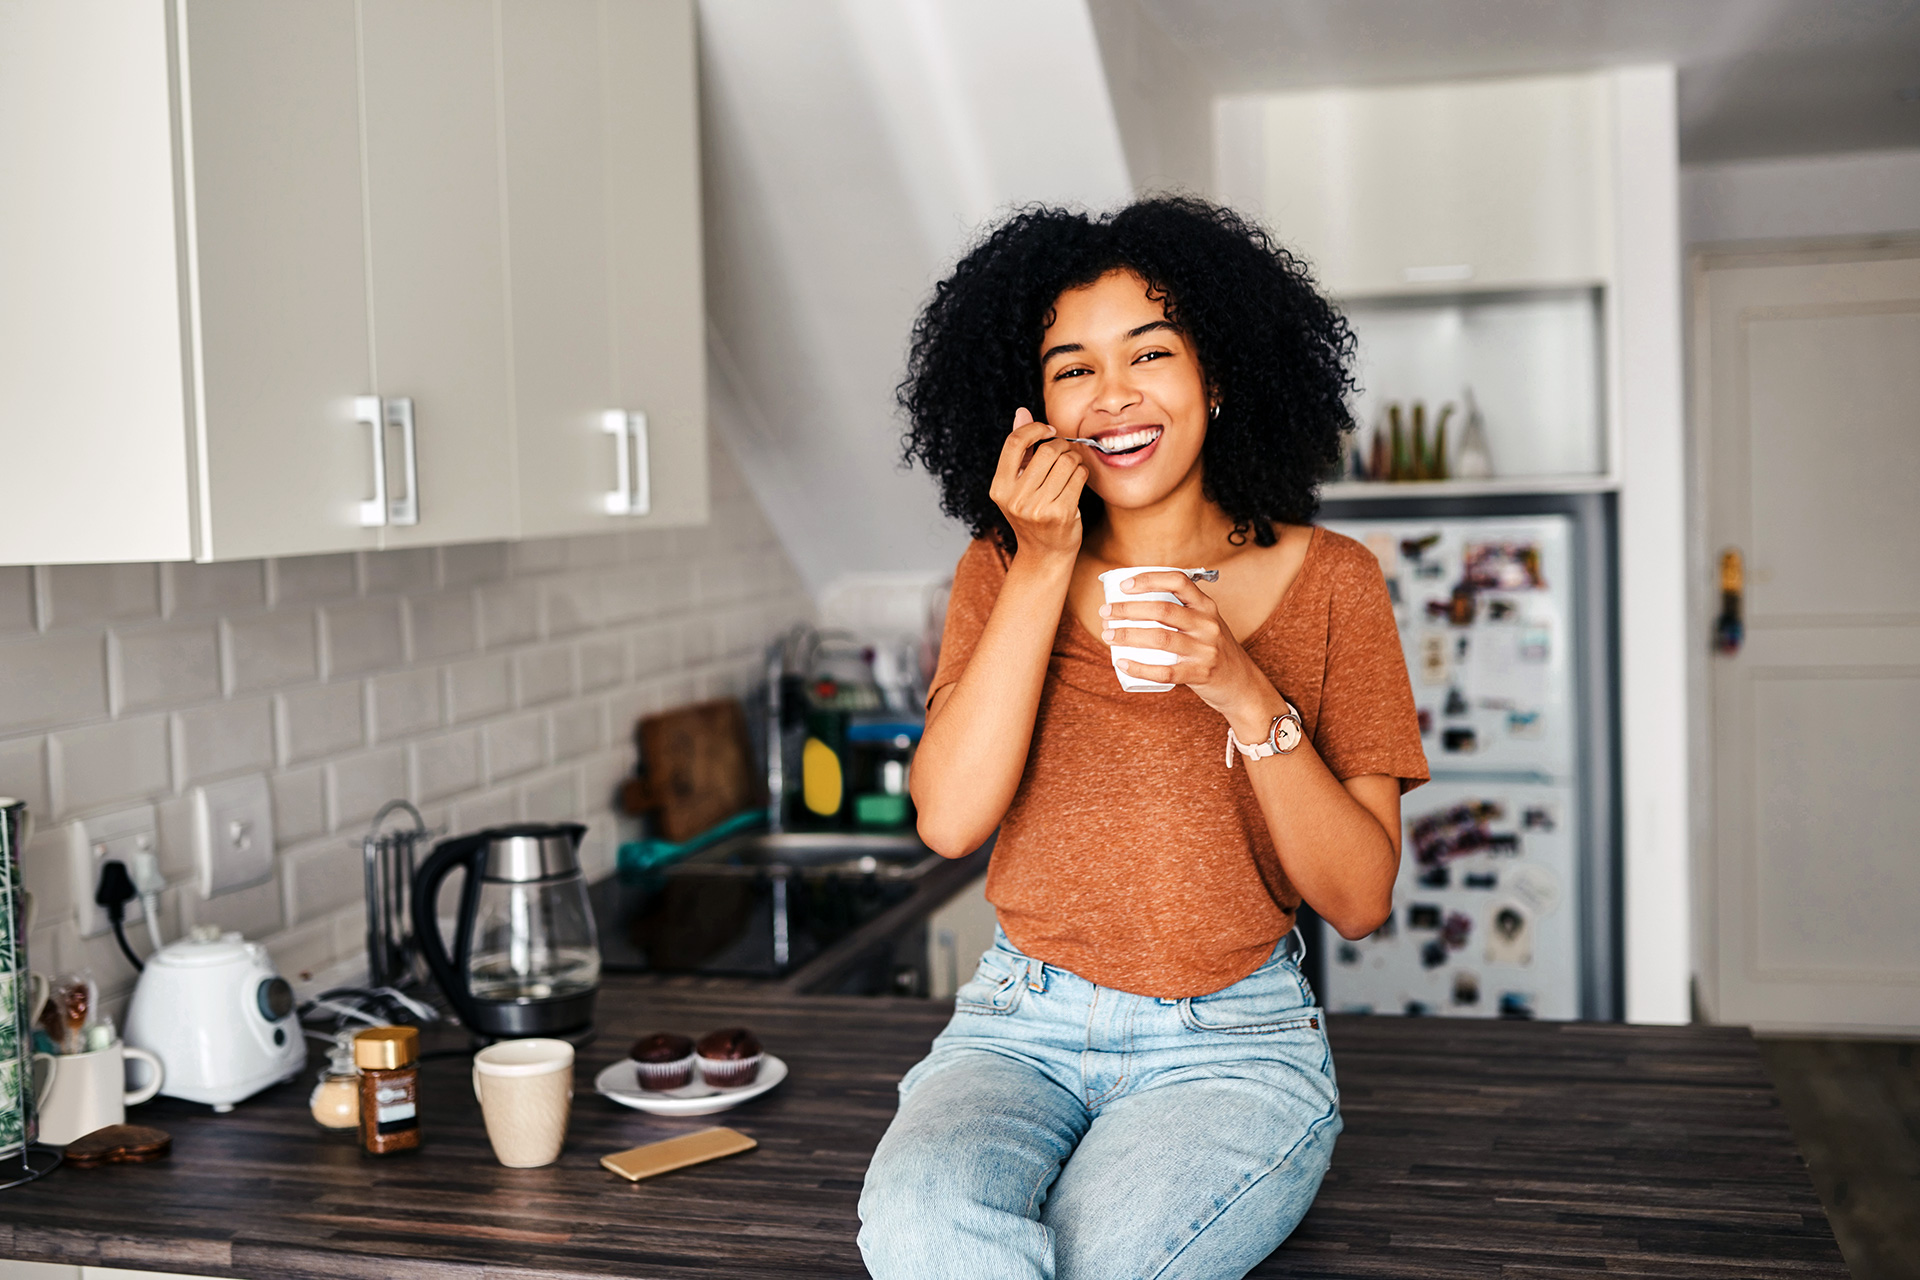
[1136, 1082]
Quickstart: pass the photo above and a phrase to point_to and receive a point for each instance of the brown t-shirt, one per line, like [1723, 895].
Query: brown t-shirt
[1131, 855]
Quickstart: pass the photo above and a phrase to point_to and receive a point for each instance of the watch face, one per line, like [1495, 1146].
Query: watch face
[1286, 734]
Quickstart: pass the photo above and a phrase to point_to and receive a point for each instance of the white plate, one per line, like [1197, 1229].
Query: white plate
[696, 1098]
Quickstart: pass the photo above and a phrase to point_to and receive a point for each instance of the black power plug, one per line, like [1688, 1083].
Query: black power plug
[115, 892]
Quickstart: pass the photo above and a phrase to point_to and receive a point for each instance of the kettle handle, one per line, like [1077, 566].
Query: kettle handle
[449, 971]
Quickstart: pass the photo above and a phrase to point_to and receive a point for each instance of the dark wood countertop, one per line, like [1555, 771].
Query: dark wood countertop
[1470, 1148]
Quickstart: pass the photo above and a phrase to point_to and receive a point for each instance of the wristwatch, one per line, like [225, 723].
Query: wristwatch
[1282, 737]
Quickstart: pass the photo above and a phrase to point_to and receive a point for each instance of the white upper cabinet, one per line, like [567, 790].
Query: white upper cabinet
[1476, 185]
[298, 277]
[603, 216]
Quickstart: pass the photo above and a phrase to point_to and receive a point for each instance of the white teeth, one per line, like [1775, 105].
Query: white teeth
[1131, 440]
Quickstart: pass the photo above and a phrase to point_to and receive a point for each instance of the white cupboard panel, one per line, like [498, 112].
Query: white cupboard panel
[659, 324]
[556, 156]
[438, 260]
[270, 103]
[92, 393]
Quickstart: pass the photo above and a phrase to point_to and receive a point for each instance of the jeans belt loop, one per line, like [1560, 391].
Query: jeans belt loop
[1036, 975]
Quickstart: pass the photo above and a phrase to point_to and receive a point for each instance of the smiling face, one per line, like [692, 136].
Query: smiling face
[1116, 370]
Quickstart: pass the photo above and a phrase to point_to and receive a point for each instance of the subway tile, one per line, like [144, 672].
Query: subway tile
[254, 912]
[79, 594]
[536, 555]
[446, 765]
[320, 721]
[269, 650]
[443, 625]
[655, 649]
[222, 739]
[628, 594]
[488, 809]
[595, 550]
[321, 878]
[405, 703]
[603, 662]
[191, 589]
[571, 604]
[164, 666]
[23, 774]
[407, 570]
[17, 611]
[304, 950]
[509, 614]
[579, 729]
[174, 817]
[554, 798]
[478, 687]
[314, 579]
[362, 637]
[471, 563]
[52, 680]
[299, 804]
[109, 763]
[361, 784]
[543, 675]
[350, 933]
[515, 746]
[698, 639]
[46, 873]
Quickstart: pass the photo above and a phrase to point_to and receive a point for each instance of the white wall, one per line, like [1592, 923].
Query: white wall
[852, 148]
[1161, 100]
[1867, 193]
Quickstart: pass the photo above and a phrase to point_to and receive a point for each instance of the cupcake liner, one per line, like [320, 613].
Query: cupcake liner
[661, 1076]
[730, 1073]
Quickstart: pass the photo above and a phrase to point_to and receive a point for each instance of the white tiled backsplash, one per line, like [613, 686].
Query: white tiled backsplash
[488, 683]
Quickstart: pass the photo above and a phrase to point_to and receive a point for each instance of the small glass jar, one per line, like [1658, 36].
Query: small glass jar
[335, 1102]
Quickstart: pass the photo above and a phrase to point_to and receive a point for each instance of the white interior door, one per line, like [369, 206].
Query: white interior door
[1809, 371]
[271, 98]
[556, 150]
[438, 255]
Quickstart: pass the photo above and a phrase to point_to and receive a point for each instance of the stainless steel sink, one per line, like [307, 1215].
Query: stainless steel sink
[889, 856]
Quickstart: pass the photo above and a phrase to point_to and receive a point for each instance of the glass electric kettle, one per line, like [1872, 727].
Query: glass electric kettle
[525, 960]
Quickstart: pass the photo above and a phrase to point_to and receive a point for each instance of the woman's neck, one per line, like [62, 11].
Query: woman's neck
[1185, 528]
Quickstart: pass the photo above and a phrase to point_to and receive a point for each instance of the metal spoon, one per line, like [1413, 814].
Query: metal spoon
[1089, 442]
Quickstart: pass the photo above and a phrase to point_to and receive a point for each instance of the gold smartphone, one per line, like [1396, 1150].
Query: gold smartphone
[677, 1153]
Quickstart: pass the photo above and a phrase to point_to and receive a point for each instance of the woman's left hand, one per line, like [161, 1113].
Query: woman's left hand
[1208, 659]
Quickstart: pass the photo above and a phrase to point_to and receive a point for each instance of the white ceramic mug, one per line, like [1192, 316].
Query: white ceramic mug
[88, 1091]
[1110, 582]
[525, 1088]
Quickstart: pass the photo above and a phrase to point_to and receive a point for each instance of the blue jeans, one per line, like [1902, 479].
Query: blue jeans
[1063, 1129]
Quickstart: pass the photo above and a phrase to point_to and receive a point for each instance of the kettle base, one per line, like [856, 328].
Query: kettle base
[503, 1020]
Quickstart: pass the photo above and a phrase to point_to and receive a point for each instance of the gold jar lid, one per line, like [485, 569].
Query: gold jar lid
[385, 1048]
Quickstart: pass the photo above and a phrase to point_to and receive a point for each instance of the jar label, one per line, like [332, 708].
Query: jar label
[394, 1107]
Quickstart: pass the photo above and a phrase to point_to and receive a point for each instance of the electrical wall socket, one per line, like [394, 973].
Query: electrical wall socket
[92, 843]
[233, 834]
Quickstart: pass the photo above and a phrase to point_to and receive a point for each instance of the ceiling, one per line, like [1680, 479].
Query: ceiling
[1757, 77]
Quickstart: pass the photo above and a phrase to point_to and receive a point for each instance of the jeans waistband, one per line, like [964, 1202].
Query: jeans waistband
[1291, 947]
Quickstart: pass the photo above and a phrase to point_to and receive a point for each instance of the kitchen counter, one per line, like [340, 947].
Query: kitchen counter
[1469, 1147]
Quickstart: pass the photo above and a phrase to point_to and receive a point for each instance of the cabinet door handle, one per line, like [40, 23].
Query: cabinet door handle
[619, 501]
[405, 510]
[367, 409]
[642, 473]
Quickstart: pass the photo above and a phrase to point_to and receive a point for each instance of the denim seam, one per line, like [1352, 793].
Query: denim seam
[1313, 1131]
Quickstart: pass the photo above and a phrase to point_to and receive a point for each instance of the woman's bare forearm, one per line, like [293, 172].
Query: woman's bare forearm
[974, 750]
[1336, 850]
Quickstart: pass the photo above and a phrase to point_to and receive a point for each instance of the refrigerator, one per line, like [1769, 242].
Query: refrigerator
[1504, 903]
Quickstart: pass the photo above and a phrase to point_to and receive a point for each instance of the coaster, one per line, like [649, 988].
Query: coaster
[119, 1144]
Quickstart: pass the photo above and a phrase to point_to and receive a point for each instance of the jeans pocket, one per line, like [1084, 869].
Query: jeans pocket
[993, 990]
[1267, 1002]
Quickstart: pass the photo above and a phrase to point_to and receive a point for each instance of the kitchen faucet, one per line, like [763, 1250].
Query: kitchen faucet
[793, 649]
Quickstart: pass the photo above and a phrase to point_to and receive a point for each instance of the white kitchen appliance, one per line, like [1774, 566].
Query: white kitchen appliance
[219, 1018]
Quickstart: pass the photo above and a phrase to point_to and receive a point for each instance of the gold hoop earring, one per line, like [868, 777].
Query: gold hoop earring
[1214, 413]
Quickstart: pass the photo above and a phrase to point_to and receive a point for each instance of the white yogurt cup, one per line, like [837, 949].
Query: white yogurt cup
[1110, 583]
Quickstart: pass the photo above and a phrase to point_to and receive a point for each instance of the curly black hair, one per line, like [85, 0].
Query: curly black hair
[1276, 354]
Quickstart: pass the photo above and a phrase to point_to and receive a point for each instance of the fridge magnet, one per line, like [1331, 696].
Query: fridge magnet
[1457, 929]
[1500, 609]
[1536, 886]
[1436, 877]
[1538, 817]
[1509, 935]
[1423, 915]
[1459, 830]
[1456, 702]
[1461, 739]
[1502, 566]
[1348, 954]
[1462, 606]
[1481, 880]
[1516, 1004]
[1425, 716]
[1414, 551]
[1433, 954]
[1435, 667]
[1523, 724]
[1535, 644]
[1387, 930]
[1417, 1009]
[1466, 988]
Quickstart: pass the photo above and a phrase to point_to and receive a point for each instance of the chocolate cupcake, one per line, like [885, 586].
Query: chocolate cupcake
[662, 1060]
[729, 1057]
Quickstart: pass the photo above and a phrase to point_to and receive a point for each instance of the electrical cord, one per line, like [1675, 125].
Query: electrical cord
[115, 891]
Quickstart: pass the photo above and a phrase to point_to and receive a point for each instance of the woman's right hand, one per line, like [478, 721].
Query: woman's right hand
[1039, 495]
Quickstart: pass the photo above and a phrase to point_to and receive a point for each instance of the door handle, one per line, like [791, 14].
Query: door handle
[1730, 628]
[367, 410]
[405, 510]
[632, 494]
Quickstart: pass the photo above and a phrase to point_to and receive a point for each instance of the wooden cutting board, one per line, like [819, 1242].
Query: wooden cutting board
[697, 769]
